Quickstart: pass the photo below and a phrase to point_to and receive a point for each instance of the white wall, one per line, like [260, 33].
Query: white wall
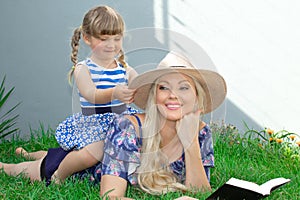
[254, 45]
[35, 53]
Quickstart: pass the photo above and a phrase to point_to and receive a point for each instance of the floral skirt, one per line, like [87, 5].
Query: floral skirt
[79, 130]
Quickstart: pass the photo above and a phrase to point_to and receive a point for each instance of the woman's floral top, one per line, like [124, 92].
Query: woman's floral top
[122, 153]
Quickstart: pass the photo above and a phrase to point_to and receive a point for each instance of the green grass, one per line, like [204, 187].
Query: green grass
[246, 159]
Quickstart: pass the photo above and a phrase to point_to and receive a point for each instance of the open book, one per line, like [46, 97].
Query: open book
[235, 189]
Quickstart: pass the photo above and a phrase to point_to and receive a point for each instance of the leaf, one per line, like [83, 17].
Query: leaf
[7, 122]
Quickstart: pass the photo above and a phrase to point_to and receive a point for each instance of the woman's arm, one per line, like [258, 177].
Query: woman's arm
[119, 150]
[188, 130]
[196, 177]
[113, 187]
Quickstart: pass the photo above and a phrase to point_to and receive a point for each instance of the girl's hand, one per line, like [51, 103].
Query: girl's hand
[122, 93]
[188, 128]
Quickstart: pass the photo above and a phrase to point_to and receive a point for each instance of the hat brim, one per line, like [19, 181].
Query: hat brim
[212, 83]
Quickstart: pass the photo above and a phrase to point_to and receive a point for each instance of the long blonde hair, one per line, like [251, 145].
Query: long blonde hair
[154, 173]
[101, 20]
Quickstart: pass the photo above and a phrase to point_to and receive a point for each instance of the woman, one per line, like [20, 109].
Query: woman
[168, 148]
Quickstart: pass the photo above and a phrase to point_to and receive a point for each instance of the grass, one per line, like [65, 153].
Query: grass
[248, 158]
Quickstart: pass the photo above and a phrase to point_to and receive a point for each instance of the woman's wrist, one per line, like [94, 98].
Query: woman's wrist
[193, 148]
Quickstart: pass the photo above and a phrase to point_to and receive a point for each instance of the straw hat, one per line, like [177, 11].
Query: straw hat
[212, 83]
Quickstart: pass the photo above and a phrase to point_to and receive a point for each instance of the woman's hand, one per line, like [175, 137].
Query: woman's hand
[188, 128]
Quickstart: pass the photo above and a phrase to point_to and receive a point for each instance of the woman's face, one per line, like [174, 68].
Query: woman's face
[175, 96]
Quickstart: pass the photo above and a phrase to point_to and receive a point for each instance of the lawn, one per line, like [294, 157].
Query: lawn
[246, 158]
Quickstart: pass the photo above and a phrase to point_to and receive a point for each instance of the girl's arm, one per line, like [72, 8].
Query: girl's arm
[88, 89]
[131, 73]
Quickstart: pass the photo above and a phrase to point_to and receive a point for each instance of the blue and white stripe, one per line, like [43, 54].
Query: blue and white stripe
[103, 79]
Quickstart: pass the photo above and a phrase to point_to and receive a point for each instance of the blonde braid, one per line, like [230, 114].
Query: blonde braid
[75, 46]
[121, 58]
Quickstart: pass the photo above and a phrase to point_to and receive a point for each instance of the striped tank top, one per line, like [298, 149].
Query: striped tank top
[104, 79]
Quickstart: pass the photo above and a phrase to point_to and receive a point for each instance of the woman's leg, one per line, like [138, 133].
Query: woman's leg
[32, 155]
[77, 161]
[30, 169]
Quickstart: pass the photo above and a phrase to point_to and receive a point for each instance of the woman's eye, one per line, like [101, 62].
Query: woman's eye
[184, 88]
[161, 87]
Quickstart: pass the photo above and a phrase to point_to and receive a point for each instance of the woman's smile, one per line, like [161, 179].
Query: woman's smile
[173, 106]
[175, 95]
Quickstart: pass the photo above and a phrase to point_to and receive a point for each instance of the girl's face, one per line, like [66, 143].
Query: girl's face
[175, 96]
[106, 46]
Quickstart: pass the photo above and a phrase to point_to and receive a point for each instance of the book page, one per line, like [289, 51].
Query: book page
[267, 186]
[264, 189]
[244, 184]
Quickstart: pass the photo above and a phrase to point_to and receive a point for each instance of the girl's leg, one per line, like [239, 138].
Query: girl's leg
[32, 155]
[30, 169]
[77, 161]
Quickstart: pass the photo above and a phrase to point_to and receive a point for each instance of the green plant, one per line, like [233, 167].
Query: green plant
[7, 122]
[235, 156]
[283, 141]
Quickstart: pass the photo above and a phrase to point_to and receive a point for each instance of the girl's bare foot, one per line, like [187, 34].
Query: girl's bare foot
[2, 167]
[5, 167]
[36, 155]
[21, 152]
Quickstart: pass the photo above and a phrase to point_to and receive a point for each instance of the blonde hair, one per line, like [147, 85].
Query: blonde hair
[154, 173]
[101, 20]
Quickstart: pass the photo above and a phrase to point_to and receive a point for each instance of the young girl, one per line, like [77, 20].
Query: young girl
[102, 81]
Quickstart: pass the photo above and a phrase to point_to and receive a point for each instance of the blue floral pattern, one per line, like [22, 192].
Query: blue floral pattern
[122, 152]
[79, 130]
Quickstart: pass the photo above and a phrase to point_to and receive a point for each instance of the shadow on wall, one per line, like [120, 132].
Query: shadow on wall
[144, 54]
[238, 118]
[229, 114]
